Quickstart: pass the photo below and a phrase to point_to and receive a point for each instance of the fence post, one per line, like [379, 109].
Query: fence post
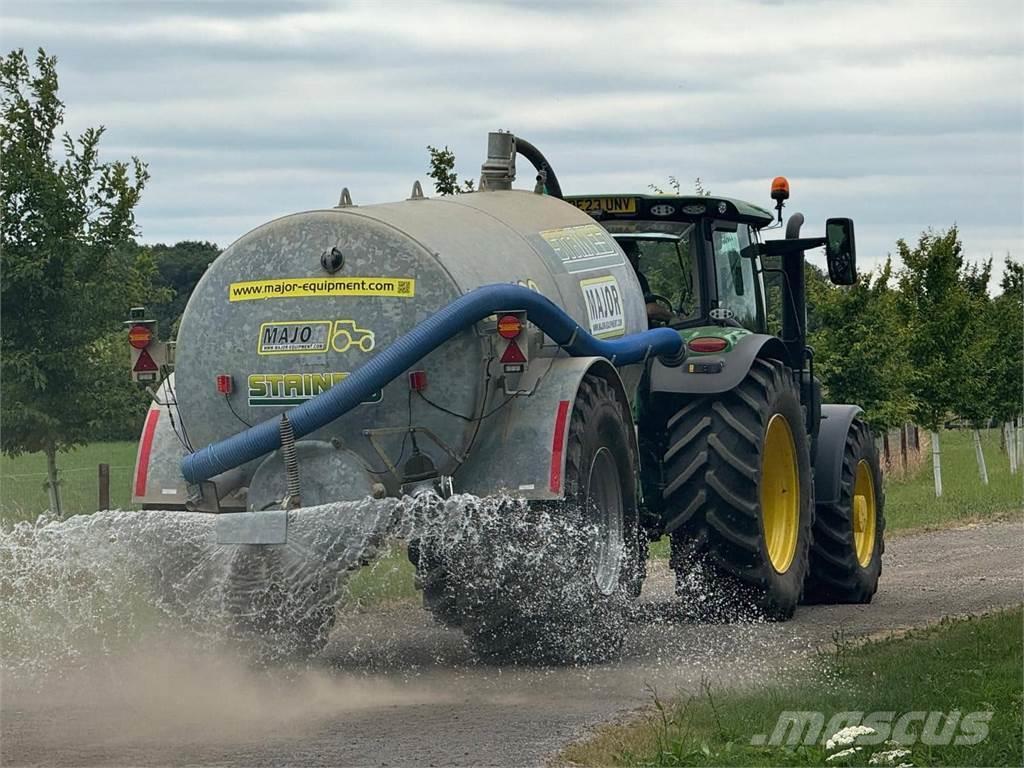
[104, 470]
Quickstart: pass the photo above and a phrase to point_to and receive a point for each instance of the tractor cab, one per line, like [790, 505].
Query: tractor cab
[693, 255]
[701, 260]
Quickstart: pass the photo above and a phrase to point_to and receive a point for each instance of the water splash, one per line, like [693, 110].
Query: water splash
[516, 578]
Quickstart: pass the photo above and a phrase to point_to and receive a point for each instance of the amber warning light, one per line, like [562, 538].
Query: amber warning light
[780, 188]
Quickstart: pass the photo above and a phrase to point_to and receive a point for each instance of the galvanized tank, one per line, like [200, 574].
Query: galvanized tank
[401, 262]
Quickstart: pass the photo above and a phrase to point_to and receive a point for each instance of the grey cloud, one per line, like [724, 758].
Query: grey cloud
[249, 110]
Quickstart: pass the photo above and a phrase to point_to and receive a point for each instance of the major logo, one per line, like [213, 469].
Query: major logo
[604, 306]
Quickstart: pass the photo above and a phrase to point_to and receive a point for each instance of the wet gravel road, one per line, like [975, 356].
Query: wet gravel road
[393, 689]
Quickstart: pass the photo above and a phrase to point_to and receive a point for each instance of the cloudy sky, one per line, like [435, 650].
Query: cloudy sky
[903, 116]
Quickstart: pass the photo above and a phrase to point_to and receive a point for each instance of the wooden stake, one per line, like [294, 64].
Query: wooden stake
[980, 455]
[104, 478]
[937, 464]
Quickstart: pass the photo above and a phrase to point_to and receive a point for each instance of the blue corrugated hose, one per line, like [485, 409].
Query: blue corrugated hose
[407, 350]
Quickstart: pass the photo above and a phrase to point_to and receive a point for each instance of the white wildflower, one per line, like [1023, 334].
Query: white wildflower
[889, 758]
[847, 736]
[842, 753]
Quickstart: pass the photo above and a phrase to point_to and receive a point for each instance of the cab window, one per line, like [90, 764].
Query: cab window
[668, 264]
[736, 276]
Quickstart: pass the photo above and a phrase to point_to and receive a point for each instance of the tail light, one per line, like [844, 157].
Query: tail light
[707, 344]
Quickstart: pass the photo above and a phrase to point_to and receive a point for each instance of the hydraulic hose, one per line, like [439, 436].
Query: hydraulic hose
[383, 368]
[540, 163]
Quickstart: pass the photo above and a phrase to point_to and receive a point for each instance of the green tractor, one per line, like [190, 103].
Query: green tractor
[770, 496]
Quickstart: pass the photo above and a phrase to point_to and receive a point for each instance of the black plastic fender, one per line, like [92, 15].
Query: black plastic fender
[828, 463]
[690, 378]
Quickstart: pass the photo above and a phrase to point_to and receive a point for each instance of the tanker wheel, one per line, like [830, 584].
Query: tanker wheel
[846, 556]
[738, 496]
[274, 612]
[567, 569]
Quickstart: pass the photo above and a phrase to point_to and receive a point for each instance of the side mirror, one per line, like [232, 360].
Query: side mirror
[840, 251]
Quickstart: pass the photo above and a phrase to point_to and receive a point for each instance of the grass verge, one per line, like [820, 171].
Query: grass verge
[23, 493]
[970, 665]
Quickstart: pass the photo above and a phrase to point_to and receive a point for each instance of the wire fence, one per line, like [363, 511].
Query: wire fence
[26, 496]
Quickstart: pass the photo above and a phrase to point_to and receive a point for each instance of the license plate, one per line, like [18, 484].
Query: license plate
[294, 337]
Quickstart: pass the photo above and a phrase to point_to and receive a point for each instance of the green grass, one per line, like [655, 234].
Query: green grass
[911, 503]
[967, 665]
[23, 494]
[389, 579]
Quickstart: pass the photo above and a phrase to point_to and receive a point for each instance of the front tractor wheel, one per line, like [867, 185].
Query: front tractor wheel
[846, 557]
[738, 497]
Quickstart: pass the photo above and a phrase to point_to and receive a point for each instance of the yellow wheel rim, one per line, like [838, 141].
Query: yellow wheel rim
[780, 493]
[864, 513]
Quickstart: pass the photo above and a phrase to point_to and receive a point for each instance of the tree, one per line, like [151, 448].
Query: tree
[937, 308]
[179, 267]
[677, 188]
[1007, 332]
[442, 171]
[68, 275]
[860, 345]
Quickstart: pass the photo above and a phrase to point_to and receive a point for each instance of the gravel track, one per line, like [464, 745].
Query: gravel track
[394, 689]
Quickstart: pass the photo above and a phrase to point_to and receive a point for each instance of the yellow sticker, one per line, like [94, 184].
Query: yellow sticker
[277, 389]
[301, 287]
[604, 306]
[605, 204]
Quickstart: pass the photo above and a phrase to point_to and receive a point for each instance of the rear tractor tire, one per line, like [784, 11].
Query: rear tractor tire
[846, 556]
[552, 581]
[739, 498]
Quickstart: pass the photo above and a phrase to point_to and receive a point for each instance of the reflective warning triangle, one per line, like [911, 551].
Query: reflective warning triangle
[513, 354]
[144, 362]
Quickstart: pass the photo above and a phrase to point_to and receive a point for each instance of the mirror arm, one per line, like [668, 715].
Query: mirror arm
[788, 246]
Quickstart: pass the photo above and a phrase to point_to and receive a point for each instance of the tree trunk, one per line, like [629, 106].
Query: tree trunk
[917, 439]
[937, 464]
[980, 454]
[903, 447]
[1019, 441]
[52, 483]
[1011, 446]
[885, 448]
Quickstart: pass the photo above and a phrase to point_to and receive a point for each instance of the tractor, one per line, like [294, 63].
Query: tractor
[599, 367]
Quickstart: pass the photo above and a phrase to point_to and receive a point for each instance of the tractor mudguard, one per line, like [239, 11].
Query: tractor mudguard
[713, 374]
[828, 463]
[521, 449]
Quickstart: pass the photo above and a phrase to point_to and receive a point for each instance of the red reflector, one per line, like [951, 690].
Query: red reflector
[417, 380]
[139, 336]
[558, 446]
[513, 354]
[509, 326]
[145, 363]
[145, 448]
[225, 383]
[707, 344]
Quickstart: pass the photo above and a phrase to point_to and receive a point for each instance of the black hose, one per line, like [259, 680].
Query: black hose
[536, 157]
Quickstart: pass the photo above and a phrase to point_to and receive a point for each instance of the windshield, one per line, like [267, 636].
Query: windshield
[668, 264]
[736, 277]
